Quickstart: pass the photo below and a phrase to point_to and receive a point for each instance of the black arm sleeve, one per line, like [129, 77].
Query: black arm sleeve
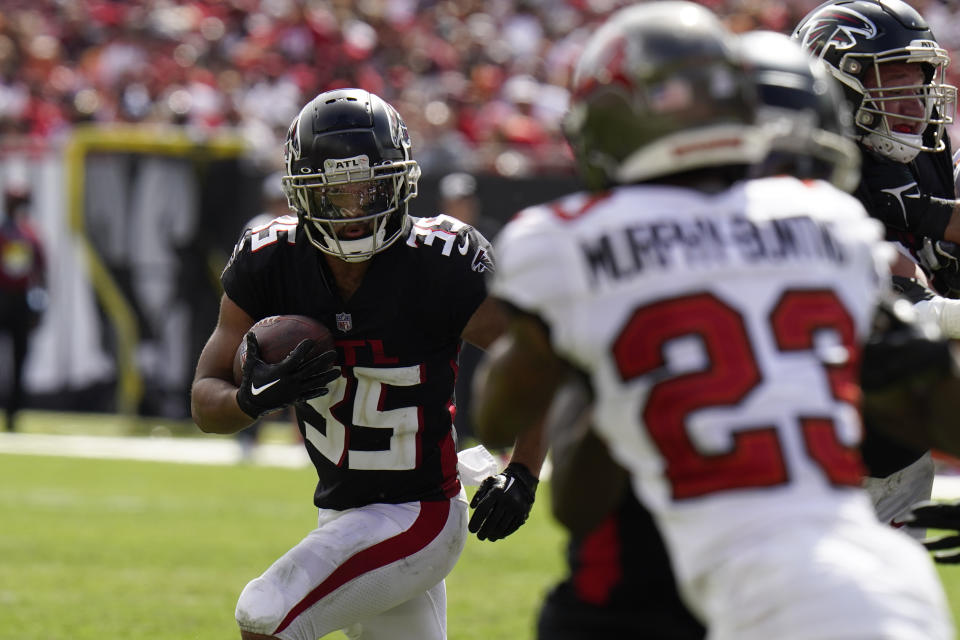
[889, 192]
[936, 218]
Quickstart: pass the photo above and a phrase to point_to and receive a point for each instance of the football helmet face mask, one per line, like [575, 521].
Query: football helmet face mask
[856, 39]
[349, 173]
[659, 90]
[802, 107]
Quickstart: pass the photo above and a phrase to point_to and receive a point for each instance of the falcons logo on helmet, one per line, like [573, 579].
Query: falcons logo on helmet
[836, 27]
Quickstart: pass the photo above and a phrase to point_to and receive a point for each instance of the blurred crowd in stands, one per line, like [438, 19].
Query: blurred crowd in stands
[481, 83]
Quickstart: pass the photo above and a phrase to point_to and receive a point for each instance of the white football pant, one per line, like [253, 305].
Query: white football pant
[375, 571]
[849, 581]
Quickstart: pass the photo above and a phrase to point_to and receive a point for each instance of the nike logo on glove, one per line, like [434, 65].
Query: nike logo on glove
[258, 390]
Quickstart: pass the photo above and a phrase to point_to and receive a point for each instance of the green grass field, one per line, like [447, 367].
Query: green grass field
[93, 549]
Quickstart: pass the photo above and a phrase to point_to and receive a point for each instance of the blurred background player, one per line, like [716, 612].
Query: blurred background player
[620, 583]
[23, 296]
[273, 199]
[891, 69]
[723, 359]
[459, 198]
[399, 295]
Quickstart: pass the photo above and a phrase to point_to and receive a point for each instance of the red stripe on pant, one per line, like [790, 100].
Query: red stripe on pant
[433, 516]
[599, 569]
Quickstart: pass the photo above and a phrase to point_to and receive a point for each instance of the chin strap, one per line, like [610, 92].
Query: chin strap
[903, 150]
[358, 250]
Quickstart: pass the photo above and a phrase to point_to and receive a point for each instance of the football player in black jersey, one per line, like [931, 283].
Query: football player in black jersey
[891, 69]
[619, 582]
[399, 294]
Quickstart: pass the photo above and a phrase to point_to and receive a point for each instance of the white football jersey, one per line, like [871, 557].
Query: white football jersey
[721, 334]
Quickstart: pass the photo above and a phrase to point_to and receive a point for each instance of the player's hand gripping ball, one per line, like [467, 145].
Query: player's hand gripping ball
[281, 361]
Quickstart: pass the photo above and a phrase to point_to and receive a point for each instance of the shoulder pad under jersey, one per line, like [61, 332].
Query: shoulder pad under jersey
[255, 239]
[452, 238]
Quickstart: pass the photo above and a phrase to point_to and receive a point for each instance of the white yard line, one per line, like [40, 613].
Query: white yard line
[215, 451]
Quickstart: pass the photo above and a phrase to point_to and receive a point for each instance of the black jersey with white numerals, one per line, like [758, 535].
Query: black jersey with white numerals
[384, 432]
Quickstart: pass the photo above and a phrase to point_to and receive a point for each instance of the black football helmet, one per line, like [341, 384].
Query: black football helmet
[802, 107]
[348, 166]
[658, 90]
[854, 36]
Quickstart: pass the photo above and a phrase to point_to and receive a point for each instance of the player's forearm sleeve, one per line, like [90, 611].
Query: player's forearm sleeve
[933, 221]
[890, 193]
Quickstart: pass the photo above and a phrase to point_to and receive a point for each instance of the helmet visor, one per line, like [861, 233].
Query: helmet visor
[353, 214]
[353, 200]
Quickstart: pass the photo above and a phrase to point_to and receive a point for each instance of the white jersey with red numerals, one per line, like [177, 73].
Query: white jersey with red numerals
[722, 334]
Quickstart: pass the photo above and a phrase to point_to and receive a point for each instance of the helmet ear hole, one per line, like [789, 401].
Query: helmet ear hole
[852, 66]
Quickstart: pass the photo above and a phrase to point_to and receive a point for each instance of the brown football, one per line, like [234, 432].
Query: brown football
[277, 336]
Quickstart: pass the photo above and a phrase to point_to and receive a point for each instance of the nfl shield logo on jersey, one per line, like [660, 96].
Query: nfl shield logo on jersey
[344, 322]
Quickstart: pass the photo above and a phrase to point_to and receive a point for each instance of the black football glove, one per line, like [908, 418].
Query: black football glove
[900, 348]
[942, 259]
[502, 502]
[939, 515]
[302, 375]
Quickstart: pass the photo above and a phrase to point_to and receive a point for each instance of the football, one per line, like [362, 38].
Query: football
[277, 336]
